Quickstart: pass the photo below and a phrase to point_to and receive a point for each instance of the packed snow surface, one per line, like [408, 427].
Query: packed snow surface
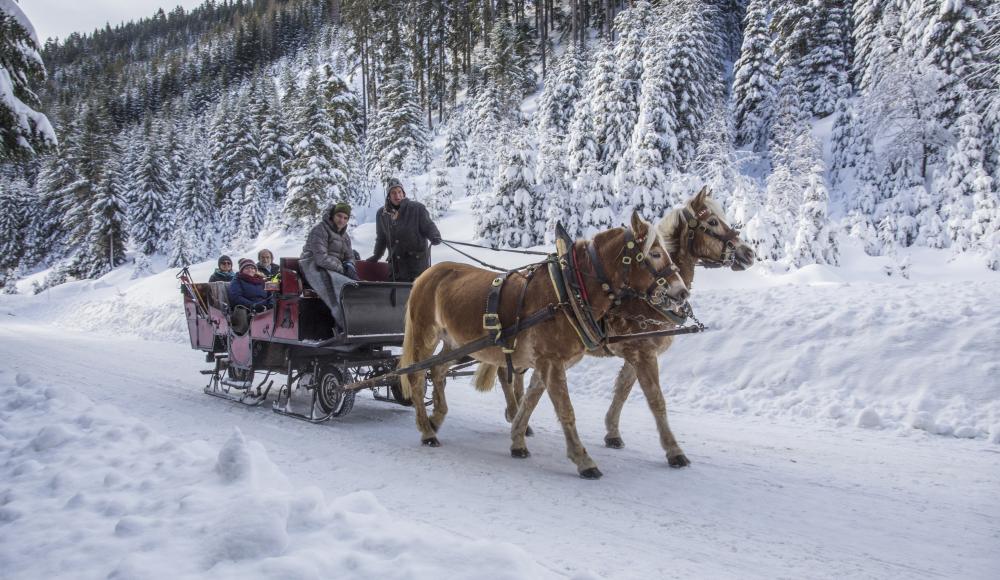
[841, 422]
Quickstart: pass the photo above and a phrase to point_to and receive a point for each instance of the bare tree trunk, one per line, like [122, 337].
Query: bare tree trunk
[335, 13]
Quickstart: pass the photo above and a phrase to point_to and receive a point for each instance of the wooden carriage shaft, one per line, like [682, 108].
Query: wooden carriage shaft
[460, 352]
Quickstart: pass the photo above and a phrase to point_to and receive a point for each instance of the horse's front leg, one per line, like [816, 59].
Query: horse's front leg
[623, 386]
[647, 370]
[513, 392]
[519, 426]
[554, 376]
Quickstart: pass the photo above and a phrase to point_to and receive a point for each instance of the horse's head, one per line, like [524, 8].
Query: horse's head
[700, 226]
[640, 266]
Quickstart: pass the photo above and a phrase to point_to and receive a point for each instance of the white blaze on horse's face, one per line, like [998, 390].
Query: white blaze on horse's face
[664, 277]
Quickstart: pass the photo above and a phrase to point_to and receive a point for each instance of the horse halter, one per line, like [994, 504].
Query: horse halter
[656, 294]
[698, 222]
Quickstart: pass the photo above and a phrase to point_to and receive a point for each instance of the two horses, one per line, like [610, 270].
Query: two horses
[441, 308]
[696, 233]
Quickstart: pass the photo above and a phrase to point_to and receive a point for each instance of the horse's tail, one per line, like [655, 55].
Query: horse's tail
[485, 377]
[409, 355]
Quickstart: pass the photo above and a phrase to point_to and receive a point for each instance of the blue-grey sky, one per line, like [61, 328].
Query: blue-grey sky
[59, 18]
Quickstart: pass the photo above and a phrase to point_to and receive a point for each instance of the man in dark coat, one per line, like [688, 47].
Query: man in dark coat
[404, 228]
[328, 250]
[266, 266]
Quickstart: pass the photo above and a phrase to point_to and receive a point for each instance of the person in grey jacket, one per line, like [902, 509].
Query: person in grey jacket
[328, 249]
[404, 227]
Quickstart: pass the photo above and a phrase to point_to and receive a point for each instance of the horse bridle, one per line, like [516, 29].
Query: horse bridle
[698, 222]
[655, 295]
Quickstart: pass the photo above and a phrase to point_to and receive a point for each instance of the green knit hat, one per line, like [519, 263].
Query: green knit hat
[341, 208]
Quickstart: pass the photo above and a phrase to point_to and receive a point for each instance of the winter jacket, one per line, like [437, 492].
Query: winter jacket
[220, 276]
[269, 272]
[406, 235]
[328, 248]
[249, 291]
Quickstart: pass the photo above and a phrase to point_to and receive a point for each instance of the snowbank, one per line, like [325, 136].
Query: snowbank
[87, 492]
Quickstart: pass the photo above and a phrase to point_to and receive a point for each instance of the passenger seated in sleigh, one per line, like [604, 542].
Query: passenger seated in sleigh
[247, 295]
[328, 261]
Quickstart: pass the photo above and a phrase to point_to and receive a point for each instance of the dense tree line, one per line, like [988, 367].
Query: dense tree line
[189, 132]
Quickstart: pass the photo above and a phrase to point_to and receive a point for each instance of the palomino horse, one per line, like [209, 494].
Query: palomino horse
[694, 233]
[447, 304]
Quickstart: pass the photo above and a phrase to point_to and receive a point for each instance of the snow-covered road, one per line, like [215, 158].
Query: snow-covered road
[763, 498]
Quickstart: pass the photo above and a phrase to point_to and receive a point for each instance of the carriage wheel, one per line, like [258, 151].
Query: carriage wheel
[331, 397]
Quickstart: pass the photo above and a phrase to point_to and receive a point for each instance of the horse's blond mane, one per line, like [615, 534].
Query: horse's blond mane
[667, 229]
[670, 225]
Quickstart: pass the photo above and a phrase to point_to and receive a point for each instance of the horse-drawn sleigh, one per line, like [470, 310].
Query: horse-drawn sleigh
[595, 297]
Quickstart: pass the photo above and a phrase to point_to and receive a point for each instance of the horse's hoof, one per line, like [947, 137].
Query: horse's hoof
[678, 461]
[520, 453]
[528, 432]
[431, 442]
[592, 473]
[614, 442]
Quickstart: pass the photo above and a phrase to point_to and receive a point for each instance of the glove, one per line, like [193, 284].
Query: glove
[350, 271]
[258, 308]
[372, 259]
[435, 242]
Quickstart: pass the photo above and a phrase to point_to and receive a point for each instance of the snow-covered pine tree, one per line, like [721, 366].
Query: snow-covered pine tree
[965, 181]
[513, 217]
[12, 221]
[193, 238]
[149, 219]
[868, 15]
[454, 143]
[44, 239]
[695, 72]
[314, 180]
[640, 181]
[827, 57]
[253, 210]
[953, 41]
[274, 147]
[398, 133]
[108, 232]
[438, 202]
[24, 131]
[556, 108]
[753, 87]
[506, 62]
[814, 242]
[842, 140]
[597, 199]
[555, 112]
[616, 108]
[242, 165]
[344, 112]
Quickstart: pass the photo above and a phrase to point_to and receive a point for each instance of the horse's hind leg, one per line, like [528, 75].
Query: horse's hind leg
[440, 403]
[648, 371]
[554, 376]
[623, 386]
